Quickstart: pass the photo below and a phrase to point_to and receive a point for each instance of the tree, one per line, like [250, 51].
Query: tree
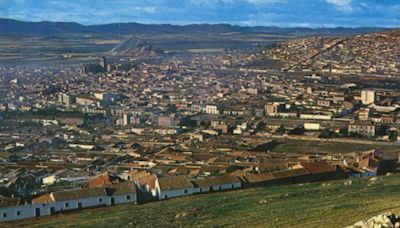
[297, 131]
[344, 132]
[280, 130]
[326, 134]
[393, 135]
[382, 130]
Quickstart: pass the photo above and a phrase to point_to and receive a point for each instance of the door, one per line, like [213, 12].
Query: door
[112, 201]
[37, 212]
[52, 210]
[79, 205]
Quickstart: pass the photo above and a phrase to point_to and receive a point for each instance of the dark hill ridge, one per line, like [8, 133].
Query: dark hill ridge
[15, 27]
[134, 47]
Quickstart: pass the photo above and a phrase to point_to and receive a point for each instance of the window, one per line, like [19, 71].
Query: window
[4, 215]
[100, 200]
[128, 197]
[66, 204]
[185, 191]
[18, 213]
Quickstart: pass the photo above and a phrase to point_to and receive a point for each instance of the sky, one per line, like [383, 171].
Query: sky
[282, 13]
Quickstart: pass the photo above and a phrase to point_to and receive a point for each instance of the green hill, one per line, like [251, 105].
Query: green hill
[328, 204]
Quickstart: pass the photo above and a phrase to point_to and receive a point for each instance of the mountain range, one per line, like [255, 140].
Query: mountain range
[45, 28]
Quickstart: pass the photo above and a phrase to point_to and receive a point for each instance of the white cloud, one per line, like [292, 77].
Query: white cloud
[254, 2]
[258, 2]
[342, 5]
[146, 9]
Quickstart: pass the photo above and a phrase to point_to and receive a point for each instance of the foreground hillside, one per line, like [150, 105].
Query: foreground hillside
[330, 204]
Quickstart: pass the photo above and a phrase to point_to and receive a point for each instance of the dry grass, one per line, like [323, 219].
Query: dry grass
[329, 204]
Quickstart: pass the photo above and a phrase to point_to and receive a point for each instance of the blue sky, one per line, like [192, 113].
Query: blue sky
[283, 13]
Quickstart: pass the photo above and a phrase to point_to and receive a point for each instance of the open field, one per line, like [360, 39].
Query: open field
[329, 204]
[22, 50]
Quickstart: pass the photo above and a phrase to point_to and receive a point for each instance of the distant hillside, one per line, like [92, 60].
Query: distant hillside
[328, 204]
[134, 47]
[373, 53]
[14, 27]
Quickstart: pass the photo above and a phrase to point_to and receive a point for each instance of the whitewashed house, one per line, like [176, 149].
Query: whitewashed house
[218, 183]
[77, 199]
[49, 179]
[121, 193]
[173, 186]
[11, 209]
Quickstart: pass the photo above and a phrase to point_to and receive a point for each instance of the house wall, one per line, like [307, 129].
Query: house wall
[261, 183]
[25, 211]
[202, 189]
[122, 199]
[86, 202]
[175, 193]
[220, 187]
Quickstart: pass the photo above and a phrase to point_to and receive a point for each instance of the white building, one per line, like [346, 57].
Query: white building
[218, 183]
[11, 209]
[362, 128]
[212, 109]
[77, 199]
[66, 99]
[367, 97]
[174, 186]
[121, 193]
[312, 126]
[315, 116]
[49, 179]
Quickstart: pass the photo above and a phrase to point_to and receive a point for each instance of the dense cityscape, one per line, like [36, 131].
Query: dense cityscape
[124, 123]
[178, 126]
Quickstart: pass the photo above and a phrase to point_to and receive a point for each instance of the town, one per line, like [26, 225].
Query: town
[126, 130]
[200, 113]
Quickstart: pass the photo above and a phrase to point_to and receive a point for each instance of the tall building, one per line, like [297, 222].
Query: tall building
[66, 99]
[367, 97]
[103, 63]
[126, 119]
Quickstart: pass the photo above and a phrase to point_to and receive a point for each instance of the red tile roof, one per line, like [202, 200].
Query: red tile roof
[79, 194]
[318, 167]
[8, 201]
[43, 199]
[255, 178]
[174, 182]
[218, 180]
